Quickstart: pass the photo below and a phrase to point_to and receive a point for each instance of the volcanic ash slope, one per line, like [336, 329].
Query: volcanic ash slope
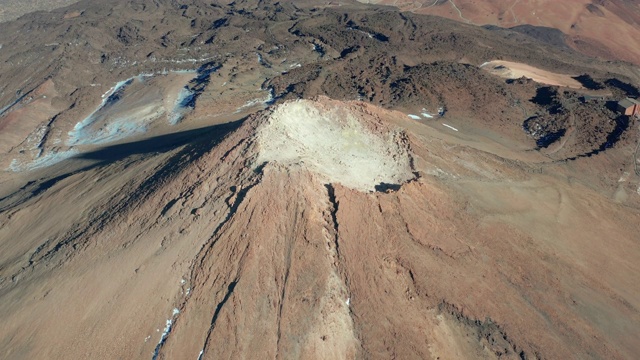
[317, 229]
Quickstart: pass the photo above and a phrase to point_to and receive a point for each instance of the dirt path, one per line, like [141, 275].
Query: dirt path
[460, 13]
[515, 18]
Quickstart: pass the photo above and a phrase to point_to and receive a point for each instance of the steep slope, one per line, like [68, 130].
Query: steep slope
[221, 248]
[175, 183]
[59, 71]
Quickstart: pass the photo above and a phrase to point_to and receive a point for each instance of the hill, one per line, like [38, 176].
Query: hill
[608, 29]
[12, 9]
[302, 180]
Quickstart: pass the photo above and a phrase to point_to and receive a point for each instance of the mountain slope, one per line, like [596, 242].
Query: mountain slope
[11, 9]
[302, 180]
[247, 258]
[602, 28]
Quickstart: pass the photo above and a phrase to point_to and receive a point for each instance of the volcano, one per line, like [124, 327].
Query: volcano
[296, 180]
[317, 229]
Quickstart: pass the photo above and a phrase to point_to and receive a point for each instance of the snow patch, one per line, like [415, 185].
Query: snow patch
[370, 35]
[117, 87]
[101, 126]
[333, 143]
[165, 333]
[42, 161]
[81, 133]
[143, 76]
[414, 117]
[119, 128]
[450, 127]
[4, 109]
[182, 61]
[624, 177]
[261, 60]
[182, 105]
[167, 330]
[260, 101]
[426, 114]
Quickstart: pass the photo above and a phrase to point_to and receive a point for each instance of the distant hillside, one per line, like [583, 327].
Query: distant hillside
[12, 9]
[608, 29]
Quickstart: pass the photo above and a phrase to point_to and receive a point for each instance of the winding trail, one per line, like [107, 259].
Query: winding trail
[460, 13]
[515, 18]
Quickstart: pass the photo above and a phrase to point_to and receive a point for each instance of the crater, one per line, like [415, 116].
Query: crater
[335, 141]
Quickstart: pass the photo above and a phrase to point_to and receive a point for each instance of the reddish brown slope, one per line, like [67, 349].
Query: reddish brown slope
[604, 28]
[474, 258]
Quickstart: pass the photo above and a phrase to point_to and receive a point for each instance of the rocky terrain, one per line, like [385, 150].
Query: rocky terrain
[311, 180]
[604, 28]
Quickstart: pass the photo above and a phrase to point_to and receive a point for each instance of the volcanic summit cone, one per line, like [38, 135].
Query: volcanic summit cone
[317, 229]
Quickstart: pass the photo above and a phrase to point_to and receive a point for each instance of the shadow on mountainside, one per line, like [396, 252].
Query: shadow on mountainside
[196, 143]
[210, 135]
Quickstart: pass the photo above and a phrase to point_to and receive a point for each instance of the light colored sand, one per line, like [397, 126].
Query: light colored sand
[333, 143]
[514, 70]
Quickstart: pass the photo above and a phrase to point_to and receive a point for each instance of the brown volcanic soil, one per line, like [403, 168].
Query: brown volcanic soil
[395, 60]
[314, 229]
[608, 29]
[476, 257]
